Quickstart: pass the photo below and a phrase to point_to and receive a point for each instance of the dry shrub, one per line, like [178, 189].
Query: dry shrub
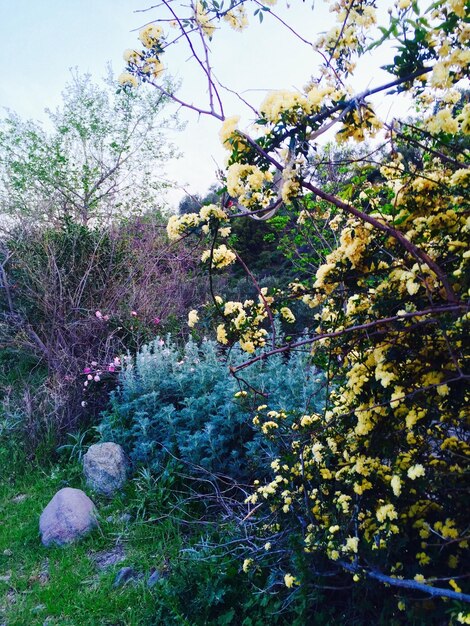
[75, 295]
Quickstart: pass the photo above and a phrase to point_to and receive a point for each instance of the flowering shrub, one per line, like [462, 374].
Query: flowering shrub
[373, 486]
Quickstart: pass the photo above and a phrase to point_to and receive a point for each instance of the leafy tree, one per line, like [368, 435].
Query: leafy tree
[100, 156]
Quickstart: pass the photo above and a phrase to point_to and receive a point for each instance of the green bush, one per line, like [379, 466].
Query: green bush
[187, 404]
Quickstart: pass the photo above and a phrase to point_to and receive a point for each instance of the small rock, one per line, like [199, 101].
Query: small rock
[106, 558]
[153, 579]
[125, 518]
[8, 552]
[126, 575]
[105, 468]
[5, 578]
[21, 497]
[69, 516]
[11, 596]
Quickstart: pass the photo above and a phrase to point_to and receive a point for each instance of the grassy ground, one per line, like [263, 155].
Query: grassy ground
[68, 587]
[64, 585]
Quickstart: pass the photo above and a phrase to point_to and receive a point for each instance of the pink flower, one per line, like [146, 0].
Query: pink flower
[161, 342]
[89, 377]
[117, 361]
[134, 313]
[111, 368]
[94, 363]
[97, 379]
[86, 370]
[99, 315]
[156, 320]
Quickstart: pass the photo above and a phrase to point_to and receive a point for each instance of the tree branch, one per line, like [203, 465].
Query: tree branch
[406, 583]
[360, 327]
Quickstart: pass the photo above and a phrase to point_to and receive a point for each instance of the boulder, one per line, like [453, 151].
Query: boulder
[105, 468]
[69, 516]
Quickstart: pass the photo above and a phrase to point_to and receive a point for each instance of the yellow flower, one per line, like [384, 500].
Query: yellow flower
[178, 224]
[386, 511]
[193, 318]
[287, 315]
[237, 18]
[127, 79]
[395, 483]
[212, 210]
[228, 128]
[279, 102]
[149, 35]
[458, 7]
[247, 564]
[153, 67]
[351, 544]
[131, 56]
[455, 586]
[290, 580]
[415, 471]
[221, 256]
[222, 336]
[204, 20]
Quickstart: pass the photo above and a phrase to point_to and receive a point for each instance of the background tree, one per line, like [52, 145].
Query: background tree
[86, 273]
[100, 156]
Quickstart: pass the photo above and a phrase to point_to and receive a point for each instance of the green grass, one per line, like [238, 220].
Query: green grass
[63, 585]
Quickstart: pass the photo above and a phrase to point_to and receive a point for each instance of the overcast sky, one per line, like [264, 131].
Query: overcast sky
[41, 40]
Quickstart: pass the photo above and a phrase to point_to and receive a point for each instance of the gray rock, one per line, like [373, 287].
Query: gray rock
[21, 497]
[125, 576]
[107, 558]
[105, 468]
[69, 516]
[154, 578]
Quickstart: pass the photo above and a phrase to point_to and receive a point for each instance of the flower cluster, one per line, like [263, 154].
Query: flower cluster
[380, 467]
[250, 185]
[144, 64]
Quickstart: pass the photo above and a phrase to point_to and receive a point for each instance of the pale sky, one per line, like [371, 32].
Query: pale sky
[41, 40]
